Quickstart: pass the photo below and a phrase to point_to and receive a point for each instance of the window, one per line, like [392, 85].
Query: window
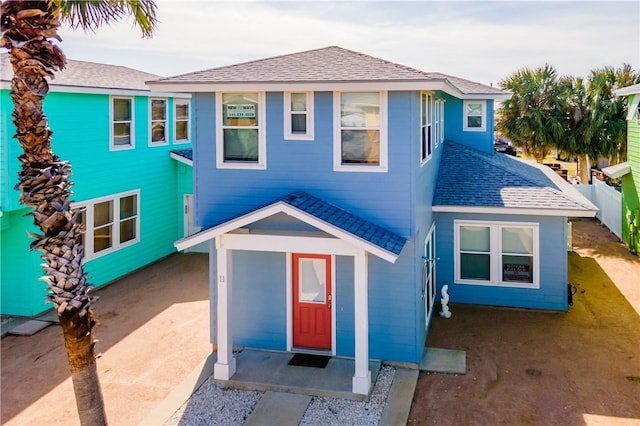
[360, 134]
[496, 253]
[158, 124]
[474, 115]
[426, 137]
[298, 116]
[441, 120]
[436, 121]
[240, 141]
[122, 128]
[111, 223]
[181, 129]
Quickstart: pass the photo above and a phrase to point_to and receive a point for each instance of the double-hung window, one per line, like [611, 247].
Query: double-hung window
[122, 123]
[111, 223]
[298, 116]
[475, 116]
[360, 133]
[158, 124]
[441, 108]
[426, 135]
[181, 128]
[497, 253]
[240, 141]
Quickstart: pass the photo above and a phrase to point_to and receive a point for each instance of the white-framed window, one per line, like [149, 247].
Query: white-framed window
[158, 122]
[122, 129]
[298, 115]
[426, 131]
[440, 133]
[436, 121]
[497, 253]
[182, 121]
[111, 222]
[475, 116]
[240, 138]
[360, 131]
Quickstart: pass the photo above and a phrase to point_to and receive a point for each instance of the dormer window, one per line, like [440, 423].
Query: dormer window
[360, 132]
[475, 116]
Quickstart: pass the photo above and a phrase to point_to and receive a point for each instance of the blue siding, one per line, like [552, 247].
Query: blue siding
[552, 293]
[453, 125]
[304, 165]
[259, 318]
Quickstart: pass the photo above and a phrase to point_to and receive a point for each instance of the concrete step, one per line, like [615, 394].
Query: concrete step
[396, 410]
[279, 408]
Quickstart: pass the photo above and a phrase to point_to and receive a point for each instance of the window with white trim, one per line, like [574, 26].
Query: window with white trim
[426, 131]
[497, 253]
[158, 122]
[122, 123]
[240, 139]
[436, 121]
[181, 117]
[298, 115]
[440, 135]
[111, 223]
[475, 116]
[360, 131]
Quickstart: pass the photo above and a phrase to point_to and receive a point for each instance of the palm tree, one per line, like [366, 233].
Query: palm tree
[608, 111]
[532, 118]
[28, 28]
[579, 129]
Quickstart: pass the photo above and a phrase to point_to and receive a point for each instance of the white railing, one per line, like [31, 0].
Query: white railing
[608, 200]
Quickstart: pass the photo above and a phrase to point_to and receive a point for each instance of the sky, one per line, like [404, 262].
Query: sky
[481, 40]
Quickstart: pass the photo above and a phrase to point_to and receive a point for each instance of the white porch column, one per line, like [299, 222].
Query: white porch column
[362, 377]
[213, 291]
[225, 366]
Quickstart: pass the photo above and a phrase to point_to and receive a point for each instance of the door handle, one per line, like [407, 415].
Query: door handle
[329, 306]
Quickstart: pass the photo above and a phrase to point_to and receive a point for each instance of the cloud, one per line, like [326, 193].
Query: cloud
[481, 41]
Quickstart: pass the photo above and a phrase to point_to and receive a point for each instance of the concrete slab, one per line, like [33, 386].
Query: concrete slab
[444, 361]
[269, 371]
[51, 315]
[29, 328]
[396, 410]
[279, 408]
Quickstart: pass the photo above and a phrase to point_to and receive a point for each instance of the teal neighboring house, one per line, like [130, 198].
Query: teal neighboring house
[629, 171]
[130, 151]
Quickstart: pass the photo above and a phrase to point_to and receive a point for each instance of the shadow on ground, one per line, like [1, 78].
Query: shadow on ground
[32, 366]
[534, 367]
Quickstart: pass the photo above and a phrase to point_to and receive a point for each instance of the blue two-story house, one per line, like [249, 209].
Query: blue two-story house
[339, 192]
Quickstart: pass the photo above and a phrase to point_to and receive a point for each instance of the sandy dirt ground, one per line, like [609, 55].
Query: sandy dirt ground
[541, 368]
[154, 330]
[523, 367]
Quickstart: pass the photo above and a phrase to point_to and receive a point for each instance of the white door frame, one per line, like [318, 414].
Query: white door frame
[289, 293]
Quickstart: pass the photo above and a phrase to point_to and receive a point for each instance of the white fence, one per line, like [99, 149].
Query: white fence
[608, 200]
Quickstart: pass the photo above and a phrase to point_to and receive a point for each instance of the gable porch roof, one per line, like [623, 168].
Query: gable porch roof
[320, 214]
[471, 181]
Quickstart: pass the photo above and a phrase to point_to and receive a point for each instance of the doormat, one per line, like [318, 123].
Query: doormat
[309, 360]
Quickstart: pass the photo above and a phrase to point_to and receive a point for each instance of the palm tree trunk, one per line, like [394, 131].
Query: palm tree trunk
[583, 170]
[46, 188]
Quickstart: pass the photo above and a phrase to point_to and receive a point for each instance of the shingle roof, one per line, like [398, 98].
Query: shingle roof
[329, 64]
[346, 221]
[90, 74]
[184, 153]
[471, 178]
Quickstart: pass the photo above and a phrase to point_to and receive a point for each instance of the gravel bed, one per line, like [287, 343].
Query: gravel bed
[212, 405]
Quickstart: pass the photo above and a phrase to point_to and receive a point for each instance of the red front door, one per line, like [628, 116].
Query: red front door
[312, 301]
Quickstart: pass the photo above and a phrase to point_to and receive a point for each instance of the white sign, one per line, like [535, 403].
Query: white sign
[241, 111]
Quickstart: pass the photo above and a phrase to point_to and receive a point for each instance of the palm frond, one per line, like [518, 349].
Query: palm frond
[91, 14]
